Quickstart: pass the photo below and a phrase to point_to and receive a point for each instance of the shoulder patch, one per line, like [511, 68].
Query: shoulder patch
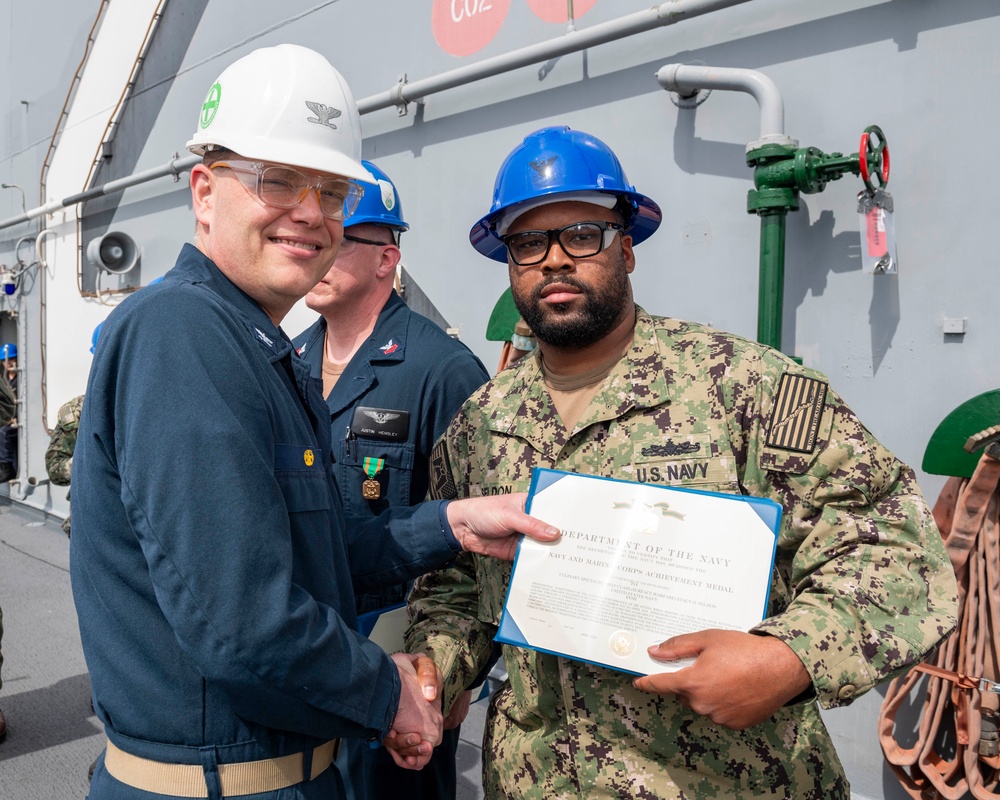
[798, 407]
[442, 485]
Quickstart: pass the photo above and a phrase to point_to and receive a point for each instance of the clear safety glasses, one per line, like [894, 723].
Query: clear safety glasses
[285, 187]
[579, 240]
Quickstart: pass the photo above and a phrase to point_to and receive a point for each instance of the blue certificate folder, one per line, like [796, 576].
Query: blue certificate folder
[632, 614]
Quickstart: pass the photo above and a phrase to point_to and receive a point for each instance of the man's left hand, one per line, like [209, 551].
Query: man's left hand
[737, 680]
[490, 525]
[416, 730]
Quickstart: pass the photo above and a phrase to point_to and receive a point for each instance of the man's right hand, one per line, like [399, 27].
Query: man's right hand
[416, 730]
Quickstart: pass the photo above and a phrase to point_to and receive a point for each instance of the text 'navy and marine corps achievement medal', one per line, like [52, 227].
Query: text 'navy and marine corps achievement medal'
[370, 489]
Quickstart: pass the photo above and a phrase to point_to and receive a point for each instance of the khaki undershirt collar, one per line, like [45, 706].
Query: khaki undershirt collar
[332, 370]
[572, 393]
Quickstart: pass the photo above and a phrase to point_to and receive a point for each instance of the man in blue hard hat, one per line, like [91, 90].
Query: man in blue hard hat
[615, 392]
[392, 380]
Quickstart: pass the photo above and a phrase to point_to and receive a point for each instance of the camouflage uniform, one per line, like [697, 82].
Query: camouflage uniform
[8, 408]
[59, 455]
[861, 589]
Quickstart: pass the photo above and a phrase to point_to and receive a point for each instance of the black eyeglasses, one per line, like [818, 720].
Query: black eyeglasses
[350, 242]
[285, 187]
[359, 240]
[579, 240]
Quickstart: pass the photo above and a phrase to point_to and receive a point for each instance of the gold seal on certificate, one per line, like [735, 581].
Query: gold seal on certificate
[622, 643]
[636, 564]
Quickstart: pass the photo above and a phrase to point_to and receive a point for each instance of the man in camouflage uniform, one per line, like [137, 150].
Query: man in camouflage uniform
[861, 586]
[8, 409]
[59, 455]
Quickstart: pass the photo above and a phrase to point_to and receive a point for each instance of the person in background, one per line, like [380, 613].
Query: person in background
[59, 454]
[7, 410]
[862, 588]
[8, 430]
[392, 380]
[212, 568]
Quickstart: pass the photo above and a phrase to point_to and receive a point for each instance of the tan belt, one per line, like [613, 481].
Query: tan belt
[188, 780]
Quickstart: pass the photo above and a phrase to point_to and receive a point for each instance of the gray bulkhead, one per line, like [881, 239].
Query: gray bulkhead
[926, 72]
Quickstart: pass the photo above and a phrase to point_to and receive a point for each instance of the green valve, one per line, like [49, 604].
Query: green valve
[781, 173]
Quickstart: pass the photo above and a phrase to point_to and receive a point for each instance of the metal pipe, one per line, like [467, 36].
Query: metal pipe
[175, 167]
[668, 13]
[688, 79]
[649, 19]
[771, 285]
[685, 79]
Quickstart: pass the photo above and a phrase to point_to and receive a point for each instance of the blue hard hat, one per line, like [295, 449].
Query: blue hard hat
[380, 204]
[8, 350]
[556, 161]
[93, 340]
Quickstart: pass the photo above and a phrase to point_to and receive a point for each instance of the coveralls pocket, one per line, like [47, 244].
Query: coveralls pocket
[387, 464]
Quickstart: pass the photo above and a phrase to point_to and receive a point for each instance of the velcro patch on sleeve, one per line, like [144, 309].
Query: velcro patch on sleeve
[798, 408]
[442, 484]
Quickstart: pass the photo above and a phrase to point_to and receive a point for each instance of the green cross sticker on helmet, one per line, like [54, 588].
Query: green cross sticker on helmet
[211, 105]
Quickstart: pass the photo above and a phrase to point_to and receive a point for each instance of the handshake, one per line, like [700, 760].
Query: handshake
[484, 525]
[418, 725]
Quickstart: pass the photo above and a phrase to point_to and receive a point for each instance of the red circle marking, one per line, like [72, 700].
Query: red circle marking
[557, 10]
[462, 27]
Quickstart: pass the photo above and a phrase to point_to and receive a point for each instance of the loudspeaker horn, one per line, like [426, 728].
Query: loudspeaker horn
[114, 252]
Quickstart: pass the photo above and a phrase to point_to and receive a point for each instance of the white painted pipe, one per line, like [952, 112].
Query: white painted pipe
[648, 19]
[661, 15]
[686, 79]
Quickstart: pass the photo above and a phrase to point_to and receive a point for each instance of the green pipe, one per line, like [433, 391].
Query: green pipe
[770, 297]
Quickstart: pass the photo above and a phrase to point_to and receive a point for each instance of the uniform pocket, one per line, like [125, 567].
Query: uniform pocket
[388, 464]
[299, 472]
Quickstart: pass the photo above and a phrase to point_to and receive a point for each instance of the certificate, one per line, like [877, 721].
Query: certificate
[636, 564]
[385, 627]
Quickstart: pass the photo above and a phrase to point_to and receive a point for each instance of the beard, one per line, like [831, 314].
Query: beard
[603, 308]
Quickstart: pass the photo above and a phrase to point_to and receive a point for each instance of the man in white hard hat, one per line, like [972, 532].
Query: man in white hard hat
[212, 568]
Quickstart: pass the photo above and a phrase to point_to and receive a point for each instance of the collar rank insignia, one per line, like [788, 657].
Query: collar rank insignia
[389, 347]
[798, 408]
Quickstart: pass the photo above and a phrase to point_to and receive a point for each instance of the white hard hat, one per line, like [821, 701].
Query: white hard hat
[285, 104]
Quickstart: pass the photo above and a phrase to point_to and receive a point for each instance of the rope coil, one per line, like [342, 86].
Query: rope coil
[956, 748]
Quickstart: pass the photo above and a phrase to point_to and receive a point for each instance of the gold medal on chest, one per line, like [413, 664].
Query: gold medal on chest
[370, 489]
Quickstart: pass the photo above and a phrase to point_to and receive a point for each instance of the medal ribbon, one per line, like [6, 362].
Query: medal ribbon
[373, 466]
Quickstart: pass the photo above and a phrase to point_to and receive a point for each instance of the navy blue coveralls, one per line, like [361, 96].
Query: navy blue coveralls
[408, 365]
[211, 566]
